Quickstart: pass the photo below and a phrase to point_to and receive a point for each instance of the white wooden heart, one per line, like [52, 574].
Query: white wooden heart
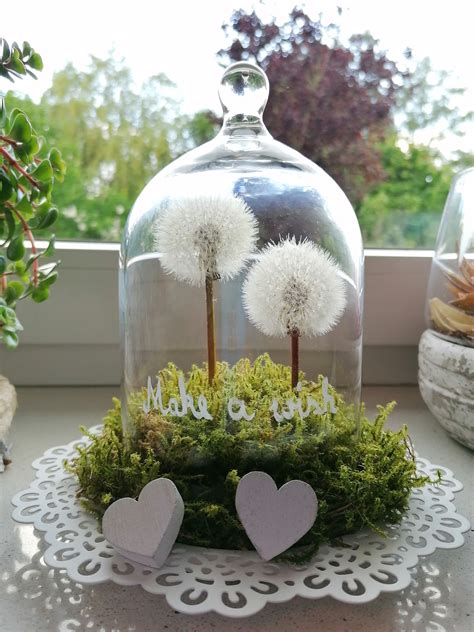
[145, 530]
[274, 519]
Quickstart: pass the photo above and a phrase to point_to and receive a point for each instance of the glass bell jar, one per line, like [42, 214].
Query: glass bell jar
[240, 251]
[450, 299]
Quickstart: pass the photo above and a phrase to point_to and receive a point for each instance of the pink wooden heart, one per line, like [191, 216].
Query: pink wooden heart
[274, 519]
[145, 530]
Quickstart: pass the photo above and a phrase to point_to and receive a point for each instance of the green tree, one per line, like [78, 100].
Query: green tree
[404, 210]
[346, 106]
[202, 127]
[330, 100]
[429, 100]
[113, 137]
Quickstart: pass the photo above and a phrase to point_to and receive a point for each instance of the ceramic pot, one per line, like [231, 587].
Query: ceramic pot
[446, 380]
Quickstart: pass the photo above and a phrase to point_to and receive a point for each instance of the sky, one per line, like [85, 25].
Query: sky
[180, 37]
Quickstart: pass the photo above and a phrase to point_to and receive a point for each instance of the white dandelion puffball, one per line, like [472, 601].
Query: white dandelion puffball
[205, 236]
[294, 287]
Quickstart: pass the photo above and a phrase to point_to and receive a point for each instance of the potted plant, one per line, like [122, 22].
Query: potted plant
[446, 349]
[28, 172]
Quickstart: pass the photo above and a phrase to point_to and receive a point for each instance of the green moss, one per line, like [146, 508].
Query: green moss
[363, 474]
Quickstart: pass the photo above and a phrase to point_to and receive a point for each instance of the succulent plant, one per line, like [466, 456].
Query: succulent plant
[27, 175]
[456, 318]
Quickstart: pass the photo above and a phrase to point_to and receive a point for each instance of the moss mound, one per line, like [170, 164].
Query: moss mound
[362, 474]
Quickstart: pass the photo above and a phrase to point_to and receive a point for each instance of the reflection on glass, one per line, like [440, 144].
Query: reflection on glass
[450, 301]
[164, 318]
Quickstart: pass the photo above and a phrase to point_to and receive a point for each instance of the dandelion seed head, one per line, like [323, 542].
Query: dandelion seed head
[294, 287]
[205, 235]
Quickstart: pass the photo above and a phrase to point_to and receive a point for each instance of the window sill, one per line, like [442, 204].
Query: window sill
[440, 592]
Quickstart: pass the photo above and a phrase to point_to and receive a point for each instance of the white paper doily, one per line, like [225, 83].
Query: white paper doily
[239, 584]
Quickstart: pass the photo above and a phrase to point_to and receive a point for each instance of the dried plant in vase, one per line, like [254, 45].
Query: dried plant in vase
[456, 318]
[203, 239]
[294, 289]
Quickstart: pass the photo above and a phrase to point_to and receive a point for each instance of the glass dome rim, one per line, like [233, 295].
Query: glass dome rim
[307, 167]
[461, 174]
[450, 209]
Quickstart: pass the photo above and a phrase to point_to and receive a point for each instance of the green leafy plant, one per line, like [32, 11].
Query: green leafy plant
[27, 175]
[361, 478]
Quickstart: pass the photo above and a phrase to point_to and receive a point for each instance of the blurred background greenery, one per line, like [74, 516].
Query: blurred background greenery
[343, 102]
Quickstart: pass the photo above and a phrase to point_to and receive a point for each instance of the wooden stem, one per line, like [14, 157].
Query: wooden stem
[211, 342]
[16, 165]
[295, 360]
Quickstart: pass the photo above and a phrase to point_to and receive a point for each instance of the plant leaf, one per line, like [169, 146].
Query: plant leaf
[16, 249]
[21, 129]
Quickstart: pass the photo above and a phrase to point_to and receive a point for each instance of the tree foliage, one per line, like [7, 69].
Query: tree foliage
[115, 138]
[429, 100]
[344, 105]
[28, 171]
[331, 102]
[404, 209]
[347, 106]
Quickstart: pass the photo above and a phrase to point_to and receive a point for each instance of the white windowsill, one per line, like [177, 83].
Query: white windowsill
[39, 600]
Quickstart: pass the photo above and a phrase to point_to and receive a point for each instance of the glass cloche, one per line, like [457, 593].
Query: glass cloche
[240, 256]
[450, 300]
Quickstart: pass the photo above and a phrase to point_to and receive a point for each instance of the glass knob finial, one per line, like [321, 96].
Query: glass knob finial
[243, 91]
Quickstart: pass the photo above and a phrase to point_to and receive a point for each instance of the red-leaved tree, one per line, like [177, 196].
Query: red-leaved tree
[331, 102]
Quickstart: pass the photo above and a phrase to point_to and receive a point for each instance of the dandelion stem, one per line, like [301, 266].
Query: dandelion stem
[211, 342]
[295, 339]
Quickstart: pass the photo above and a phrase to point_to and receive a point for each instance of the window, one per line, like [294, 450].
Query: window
[389, 124]
[392, 128]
